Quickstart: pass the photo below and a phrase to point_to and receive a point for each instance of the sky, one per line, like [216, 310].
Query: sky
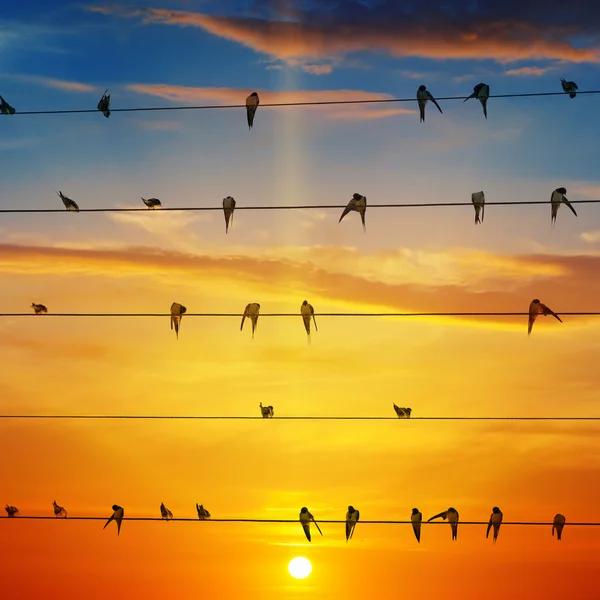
[64, 55]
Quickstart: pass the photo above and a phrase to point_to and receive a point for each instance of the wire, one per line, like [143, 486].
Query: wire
[361, 522]
[281, 104]
[292, 207]
[297, 315]
[295, 418]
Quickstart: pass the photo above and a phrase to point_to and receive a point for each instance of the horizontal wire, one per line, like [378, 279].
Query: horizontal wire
[290, 207]
[297, 315]
[282, 104]
[235, 520]
[296, 418]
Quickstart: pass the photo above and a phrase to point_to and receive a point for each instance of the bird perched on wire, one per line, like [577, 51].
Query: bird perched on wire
[403, 413]
[251, 311]
[266, 411]
[352, 517]
[252, 102]
[177, 312]
[151, 203]
[538, 308]
[307, 311]
[203, 514]
[495, 522]
[478, 200]
[69, 204]
[59, 511]
[104, 104]
[482, 92]
[165, 513]
[305, 519]
[569, 87]
[556, 199]
[558, 523]
[228, 208]
[38, 309]
[452, 515]
[423, 96]
[5, 107]
[416, 519]
[12, 511]
[117, 516]
[357, 203]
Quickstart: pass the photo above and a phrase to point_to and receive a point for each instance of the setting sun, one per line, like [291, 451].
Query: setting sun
[300, 567]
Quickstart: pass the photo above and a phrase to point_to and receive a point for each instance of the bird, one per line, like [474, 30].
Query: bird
[5, 107]
[116, 516]
[422, 96]
[452, 515]
[151, 202]
[569, 87]
[558, 196]
[177, 312]
[359, 204]
[478, 200]
[69, 204]
[11, 510]
[165, 513]
[228, 208]
[352, 517]
[59, 511]
[416, 518]
[38, 309]
[403, 413]
[202, 512]
[482, 92]
[495, 521]
[266, 411]
[103, 105]
[558, 524]
[537, 308]
[305, 519]
[251, 311]
[307, 311]
[252, 103]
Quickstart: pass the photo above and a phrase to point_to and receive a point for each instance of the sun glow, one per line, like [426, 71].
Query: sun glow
[300, 567]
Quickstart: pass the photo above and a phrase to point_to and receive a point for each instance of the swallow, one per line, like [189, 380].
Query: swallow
[59, 511]
[558, 196]
[478, 200]
[151, 202]
[69, 204]
[452, 515]
[251, 311]
[177, 312]
[422, 96]
[266, 411]
[495, 521]
[359, 204]
[569, 87]
[203, 514]
[558, 524]
[307, 311]
[228, 208]
[305, 519]
[416, 518]
[165, 513]
[403, 413]
[103, 105]
[38, 309]
[6, 108]
[11, 510]
[352, 517]
[482, 92]
[537, 308]
[252, 103]
[116, 516]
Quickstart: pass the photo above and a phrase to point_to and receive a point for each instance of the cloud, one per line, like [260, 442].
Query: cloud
[61, 84]
[331, 31]
[591, 237]
[528, 71]
[318, 69]
[233, 96]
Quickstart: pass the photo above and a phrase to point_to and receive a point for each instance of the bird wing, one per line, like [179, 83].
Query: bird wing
[564, 198]
[430, 97]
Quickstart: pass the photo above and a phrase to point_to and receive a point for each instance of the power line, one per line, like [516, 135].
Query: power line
[339, 522]
[291, 418]
[297, 315]
[282, 104]
[290, 207]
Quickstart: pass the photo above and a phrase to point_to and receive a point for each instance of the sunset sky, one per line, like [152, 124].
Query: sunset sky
[63, 55]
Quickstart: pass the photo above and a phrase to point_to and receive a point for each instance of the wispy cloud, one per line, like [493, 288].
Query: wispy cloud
[61, 84]
[529, 71]
[591, 237]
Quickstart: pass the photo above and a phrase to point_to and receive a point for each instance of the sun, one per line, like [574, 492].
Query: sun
[300, 567]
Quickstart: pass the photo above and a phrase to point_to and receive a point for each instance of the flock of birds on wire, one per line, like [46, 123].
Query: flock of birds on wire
[307, 312]
[306, 517]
